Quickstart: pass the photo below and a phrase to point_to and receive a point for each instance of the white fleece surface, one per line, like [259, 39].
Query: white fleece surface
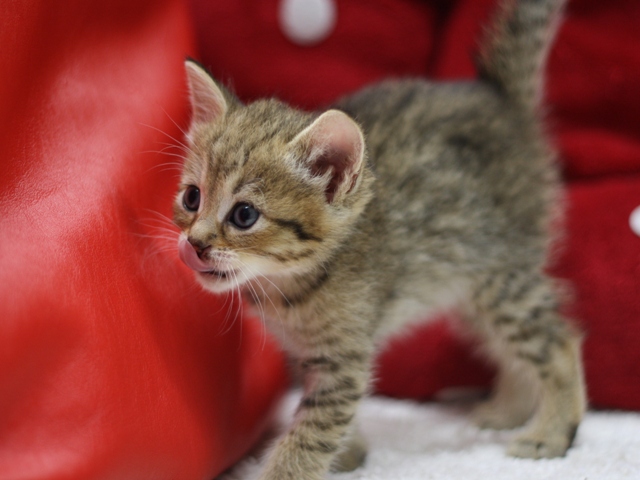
[413, 441]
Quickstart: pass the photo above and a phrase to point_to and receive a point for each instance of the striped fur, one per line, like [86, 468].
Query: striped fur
[405, 198]
[515, 50]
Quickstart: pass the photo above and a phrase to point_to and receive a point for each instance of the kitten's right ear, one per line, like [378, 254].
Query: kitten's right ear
[334, 147]
[208, 103]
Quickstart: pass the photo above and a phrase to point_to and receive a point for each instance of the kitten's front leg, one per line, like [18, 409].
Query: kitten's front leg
[334, 385]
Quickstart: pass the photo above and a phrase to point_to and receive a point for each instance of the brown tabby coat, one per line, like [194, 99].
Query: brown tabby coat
[405, 198]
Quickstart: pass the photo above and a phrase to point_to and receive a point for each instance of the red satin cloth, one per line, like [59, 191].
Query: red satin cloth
[593, 78]
[113, 364]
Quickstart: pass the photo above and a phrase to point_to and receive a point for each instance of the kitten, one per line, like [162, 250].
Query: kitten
[404, 198]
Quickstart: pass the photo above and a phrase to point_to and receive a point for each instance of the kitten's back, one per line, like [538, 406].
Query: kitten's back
[461, 165]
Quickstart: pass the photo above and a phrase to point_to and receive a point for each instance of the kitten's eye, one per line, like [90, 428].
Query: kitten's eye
[191, 198]
[244, 216]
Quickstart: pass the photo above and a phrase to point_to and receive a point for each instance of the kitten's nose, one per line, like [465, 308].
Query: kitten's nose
[199, 246]
[189, 254]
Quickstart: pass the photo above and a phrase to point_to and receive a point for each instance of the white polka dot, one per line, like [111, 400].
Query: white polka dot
[306, 22]
[634, 221]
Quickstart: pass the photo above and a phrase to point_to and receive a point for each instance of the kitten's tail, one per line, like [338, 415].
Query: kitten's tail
[515, 49]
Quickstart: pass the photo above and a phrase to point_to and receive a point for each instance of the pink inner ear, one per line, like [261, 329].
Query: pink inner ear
[341, 145]
[339, 165]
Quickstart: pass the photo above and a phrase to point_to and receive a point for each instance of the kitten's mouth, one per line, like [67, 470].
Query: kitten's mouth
[189, 256]
[219, 274]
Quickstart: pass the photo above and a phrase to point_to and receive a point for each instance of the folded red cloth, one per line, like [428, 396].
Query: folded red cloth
[113, 364]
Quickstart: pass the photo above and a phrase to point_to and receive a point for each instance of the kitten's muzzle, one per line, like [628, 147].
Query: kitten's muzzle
[200, 247]
[192, 255]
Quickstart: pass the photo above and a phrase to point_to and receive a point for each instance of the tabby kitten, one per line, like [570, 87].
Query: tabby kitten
[402, 199]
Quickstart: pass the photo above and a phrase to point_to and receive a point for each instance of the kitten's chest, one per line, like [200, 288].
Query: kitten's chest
[290, 324]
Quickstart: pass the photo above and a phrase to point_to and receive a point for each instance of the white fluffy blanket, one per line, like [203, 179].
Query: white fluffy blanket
[412, 441]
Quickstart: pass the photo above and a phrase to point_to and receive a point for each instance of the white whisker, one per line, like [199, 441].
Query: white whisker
[178, 142]
[257, 276]
[174, 122]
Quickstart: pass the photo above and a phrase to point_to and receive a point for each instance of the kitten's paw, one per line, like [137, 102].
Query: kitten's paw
[351, 458]
[491, 415]
[539, 446]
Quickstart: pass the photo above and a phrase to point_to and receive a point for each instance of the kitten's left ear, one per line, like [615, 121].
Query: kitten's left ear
[208, 102]
[334, 146]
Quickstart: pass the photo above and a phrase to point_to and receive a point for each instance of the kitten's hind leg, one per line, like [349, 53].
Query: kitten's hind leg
[513, 400]
[554, 426]
[524, 329]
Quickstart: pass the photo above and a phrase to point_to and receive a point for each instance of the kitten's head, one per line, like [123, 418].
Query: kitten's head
[266, 190]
